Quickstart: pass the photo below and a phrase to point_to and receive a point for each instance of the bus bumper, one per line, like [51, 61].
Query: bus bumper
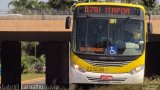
[96, 78]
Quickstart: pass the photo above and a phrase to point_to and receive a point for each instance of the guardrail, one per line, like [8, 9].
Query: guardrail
[37, 12]
[32, 17]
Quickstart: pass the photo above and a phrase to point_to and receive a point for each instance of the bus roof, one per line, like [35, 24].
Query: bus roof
[112, 4]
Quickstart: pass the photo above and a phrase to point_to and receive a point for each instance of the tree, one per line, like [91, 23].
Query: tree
[21, 6]
[55, 3]
[28, 6]
[68, 4]
[61, 4]
[43, 7]
[29, 59]
[149, 3]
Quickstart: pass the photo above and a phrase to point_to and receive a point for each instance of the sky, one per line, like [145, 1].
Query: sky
[4, 4]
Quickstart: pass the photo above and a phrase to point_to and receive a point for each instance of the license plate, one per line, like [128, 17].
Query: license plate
[106, 77]
[96, 69]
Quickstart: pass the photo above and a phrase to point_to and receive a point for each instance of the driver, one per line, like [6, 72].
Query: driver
[133, 36]
[136, 36]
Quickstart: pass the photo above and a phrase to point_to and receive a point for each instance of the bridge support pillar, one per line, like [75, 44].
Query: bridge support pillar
[57, 63]
[11, 65]
[152, 59]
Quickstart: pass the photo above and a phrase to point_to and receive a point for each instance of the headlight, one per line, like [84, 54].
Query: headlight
[77, 67]
[137, 69]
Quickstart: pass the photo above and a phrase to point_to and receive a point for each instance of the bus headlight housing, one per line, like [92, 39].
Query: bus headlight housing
[137, 69]
[77, 67]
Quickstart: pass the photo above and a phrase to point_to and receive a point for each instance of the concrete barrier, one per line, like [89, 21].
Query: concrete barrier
[48, 23]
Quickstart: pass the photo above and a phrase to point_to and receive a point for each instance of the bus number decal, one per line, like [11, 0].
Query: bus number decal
[95, 69]
[91, 9]
[109, 10]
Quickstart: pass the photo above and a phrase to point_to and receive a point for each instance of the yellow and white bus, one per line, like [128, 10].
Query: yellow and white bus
[108, 43]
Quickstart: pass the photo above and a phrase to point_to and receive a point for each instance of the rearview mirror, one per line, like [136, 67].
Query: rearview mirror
[68, 22]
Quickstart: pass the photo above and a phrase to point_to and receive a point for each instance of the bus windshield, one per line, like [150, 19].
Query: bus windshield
[109, 36]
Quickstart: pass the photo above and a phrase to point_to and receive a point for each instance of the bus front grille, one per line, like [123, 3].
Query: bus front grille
[107, 63]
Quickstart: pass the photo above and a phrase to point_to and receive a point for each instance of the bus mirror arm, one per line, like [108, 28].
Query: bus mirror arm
[68, 22]
[149, 28]
[149, 25]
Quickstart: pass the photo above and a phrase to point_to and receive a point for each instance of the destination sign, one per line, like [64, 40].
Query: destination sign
[117, 10]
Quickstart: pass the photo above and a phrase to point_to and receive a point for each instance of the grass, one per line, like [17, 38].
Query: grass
[118, 87]
[152, 80]
[29, 76]
[152, 83]
[129, 87]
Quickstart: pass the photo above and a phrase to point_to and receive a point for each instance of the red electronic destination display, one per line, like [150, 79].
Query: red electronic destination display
[109, 10]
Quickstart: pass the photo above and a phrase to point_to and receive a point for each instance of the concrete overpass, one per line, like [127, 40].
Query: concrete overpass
[53, 37]
[33, 28]
[38, 27]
